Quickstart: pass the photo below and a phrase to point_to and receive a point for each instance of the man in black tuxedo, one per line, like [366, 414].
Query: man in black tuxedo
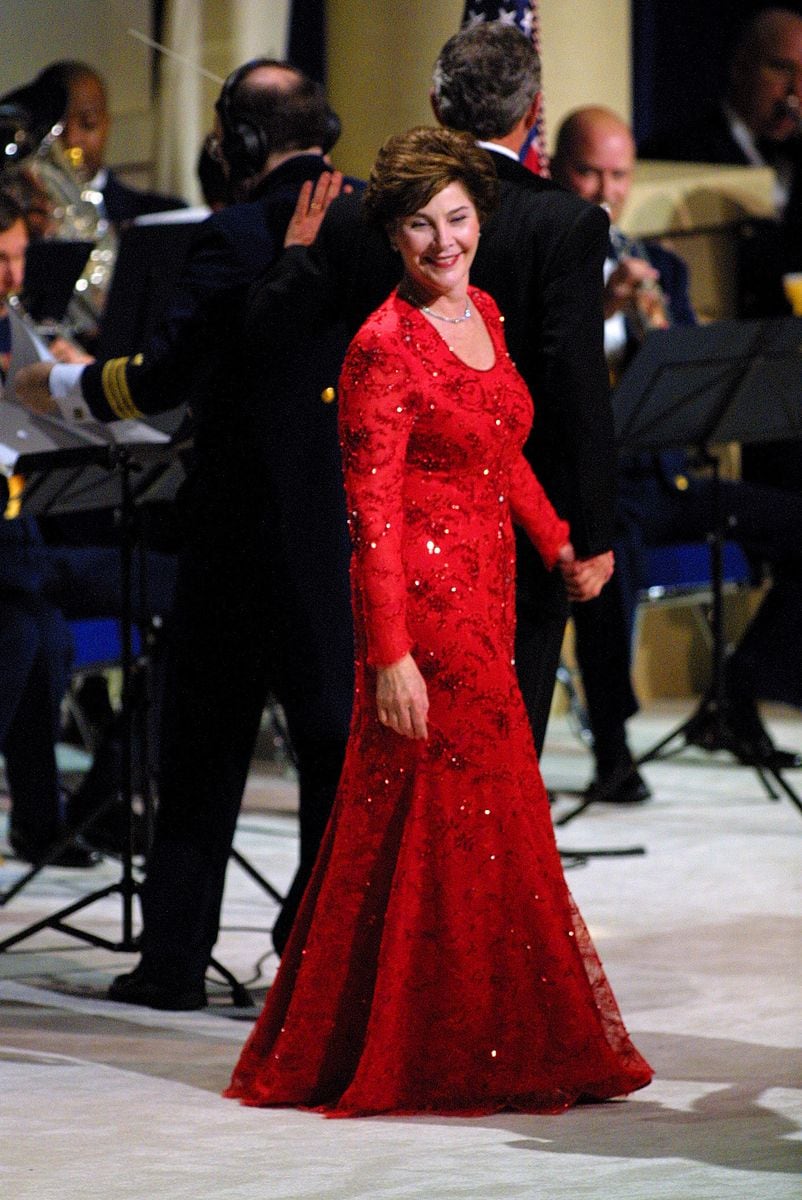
[758, 122]
[540, 256]
[263, 603]
[663, 500]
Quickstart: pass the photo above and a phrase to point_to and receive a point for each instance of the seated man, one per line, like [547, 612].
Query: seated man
[757, 122]
[88, 200]
[87, 123]
[41, 587]
[661, 500]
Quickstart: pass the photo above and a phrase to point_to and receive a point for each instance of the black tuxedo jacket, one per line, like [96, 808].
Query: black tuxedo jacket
[708, 139]
[541, 257]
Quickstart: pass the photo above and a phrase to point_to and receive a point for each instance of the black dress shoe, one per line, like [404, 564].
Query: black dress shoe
[140, 987]
[623, 785]
[75, 854]
[761, 752]
[785, 760]
[752, 744]
[108, 832]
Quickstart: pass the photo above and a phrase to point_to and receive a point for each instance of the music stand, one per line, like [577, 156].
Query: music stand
[703, 386]
[51, 271]
[59, 453]
[149, 262]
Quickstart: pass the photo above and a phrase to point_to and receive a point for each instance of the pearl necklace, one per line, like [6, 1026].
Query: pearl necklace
[450, 320]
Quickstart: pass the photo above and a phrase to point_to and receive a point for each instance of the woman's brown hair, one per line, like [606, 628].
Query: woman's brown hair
[413, 167]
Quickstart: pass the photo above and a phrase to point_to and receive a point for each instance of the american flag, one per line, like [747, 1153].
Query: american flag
[523, 14]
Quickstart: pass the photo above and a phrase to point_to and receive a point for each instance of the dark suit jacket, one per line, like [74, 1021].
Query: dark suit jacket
[708, 139]
[229, 250]
[124, 203]
[541, 257]
[766, 248]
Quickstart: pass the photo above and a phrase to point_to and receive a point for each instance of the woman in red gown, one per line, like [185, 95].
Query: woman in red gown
[438, 963]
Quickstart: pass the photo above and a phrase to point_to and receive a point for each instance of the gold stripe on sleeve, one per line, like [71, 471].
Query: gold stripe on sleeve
[116, 390]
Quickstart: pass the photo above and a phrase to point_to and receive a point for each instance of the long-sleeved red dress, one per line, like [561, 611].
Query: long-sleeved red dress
[438, 962]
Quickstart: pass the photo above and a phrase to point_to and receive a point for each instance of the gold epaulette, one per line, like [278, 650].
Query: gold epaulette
[15, 484]
[116, 389]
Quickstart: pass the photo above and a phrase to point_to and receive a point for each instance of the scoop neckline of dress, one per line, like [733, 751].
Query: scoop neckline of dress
[440, 338]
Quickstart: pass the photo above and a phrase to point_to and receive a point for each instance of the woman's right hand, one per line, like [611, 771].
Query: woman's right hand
[401, 698]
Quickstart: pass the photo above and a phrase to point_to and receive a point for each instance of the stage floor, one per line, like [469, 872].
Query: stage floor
[700, 937]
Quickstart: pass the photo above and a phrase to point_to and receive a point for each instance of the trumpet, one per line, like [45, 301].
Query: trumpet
[649, 306]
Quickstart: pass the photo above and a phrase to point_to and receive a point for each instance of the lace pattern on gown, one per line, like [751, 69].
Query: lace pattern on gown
[438, 962]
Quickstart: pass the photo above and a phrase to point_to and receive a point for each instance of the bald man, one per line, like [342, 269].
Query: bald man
[757, 122]
[661, 500]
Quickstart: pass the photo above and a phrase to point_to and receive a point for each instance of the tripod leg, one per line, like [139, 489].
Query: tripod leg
[55, 921]
[240, 996]
[782, 783]
[763, 776]
[681, 731]
[250, 869]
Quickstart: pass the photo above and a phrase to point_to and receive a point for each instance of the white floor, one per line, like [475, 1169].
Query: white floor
[700, 936]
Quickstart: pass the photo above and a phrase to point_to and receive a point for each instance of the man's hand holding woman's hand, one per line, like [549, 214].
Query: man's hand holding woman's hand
[584, 578]
[401, 698]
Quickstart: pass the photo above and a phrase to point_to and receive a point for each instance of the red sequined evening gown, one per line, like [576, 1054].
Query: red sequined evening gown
[438, 962]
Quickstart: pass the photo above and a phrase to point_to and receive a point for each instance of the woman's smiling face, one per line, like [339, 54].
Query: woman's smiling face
[437, 243]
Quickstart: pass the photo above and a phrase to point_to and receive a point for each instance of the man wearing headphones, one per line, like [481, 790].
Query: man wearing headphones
[262, 598]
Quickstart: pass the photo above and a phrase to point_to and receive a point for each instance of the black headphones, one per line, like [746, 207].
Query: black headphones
[244, 145]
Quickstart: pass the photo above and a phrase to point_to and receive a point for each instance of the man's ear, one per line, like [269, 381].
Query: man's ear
[533, 112]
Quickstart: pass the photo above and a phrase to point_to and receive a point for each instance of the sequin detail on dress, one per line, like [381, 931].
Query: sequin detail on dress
[438, 962]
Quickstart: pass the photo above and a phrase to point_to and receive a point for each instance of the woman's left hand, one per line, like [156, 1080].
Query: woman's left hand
[401, 698]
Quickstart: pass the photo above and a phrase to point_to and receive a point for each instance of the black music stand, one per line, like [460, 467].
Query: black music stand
[148, 265]
[53, 459]
[733, 381]
[52, 269]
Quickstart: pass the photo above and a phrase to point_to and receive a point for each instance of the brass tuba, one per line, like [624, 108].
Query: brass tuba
[77, 214]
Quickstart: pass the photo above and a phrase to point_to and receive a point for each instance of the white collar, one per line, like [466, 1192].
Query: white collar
[497, 149]
[783, 168]
[743, 136]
